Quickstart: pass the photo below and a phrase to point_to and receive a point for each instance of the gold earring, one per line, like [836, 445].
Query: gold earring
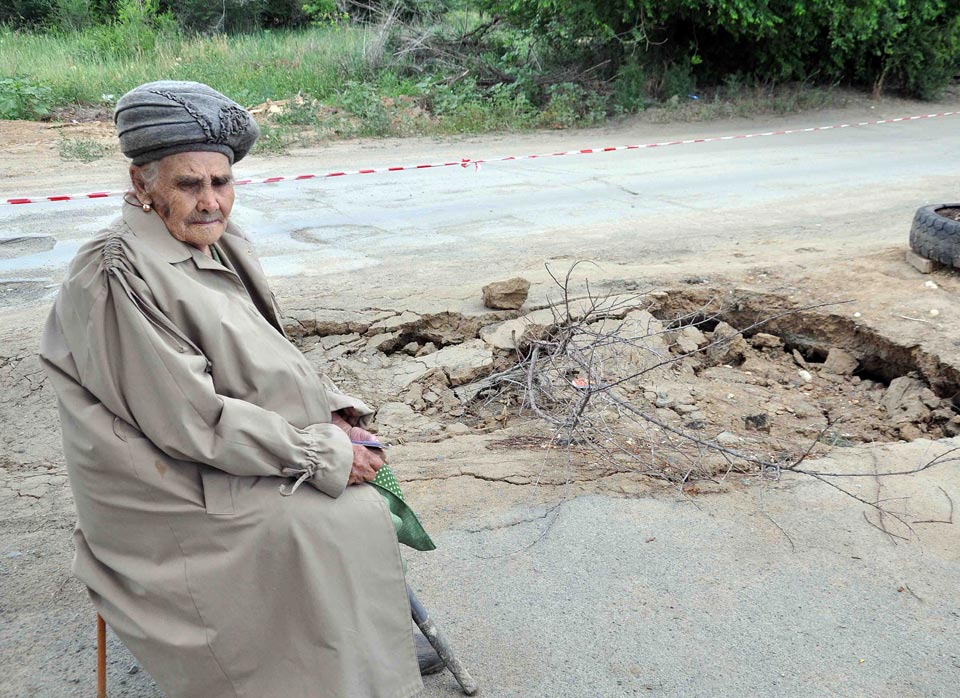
[146, 208]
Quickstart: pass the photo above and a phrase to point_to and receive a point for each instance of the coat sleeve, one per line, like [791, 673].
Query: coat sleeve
[147, 371]
[340, 401]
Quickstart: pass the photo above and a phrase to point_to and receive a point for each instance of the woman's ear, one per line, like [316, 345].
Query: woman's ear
[139, 185]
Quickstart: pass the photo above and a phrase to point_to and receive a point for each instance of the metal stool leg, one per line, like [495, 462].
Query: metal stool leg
[101, 658]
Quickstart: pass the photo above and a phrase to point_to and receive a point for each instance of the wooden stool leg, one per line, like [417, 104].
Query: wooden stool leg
[101, 658]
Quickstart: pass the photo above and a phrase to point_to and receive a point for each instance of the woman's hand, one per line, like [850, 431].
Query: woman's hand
[366, 463]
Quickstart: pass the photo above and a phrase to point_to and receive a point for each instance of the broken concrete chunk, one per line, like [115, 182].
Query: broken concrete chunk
[506, 295]
[398, 418]
[727, 345]
[514, 334]
[403, 321]
[839, 363]
[762, 340]
[903, 400]
[929, 398]
[462, 362]
[385, 341]
[689, 339]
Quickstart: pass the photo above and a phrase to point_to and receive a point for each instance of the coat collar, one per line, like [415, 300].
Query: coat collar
[151, 229]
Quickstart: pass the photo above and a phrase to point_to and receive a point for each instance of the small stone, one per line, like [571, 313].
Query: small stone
[411, 348]
[664, 401]
[910, 432]
[457, 428]
[385, 341]
[931, 284]
[805, 376]
[685, 409]
[758, 422]
[727, 438]
[929, 398]
[798, 358]
[858, 315]
[728, 345]
[427, 349]
[762, 340]
[934, 312]
[689, 339]
[905, 400]
[506, 295]
[839, 363]
[134, 669]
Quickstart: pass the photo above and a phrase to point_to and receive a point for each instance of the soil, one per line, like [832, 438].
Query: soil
[806, 379]
[951, 213]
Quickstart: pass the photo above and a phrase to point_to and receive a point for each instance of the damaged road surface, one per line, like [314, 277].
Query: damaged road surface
[772, 315]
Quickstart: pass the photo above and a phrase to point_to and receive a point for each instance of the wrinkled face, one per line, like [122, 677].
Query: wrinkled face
[191, 192]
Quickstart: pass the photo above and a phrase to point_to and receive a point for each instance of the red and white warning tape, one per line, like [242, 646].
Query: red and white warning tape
[468, 162]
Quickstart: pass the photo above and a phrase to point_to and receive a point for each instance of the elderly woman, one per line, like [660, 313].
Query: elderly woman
[187, 417]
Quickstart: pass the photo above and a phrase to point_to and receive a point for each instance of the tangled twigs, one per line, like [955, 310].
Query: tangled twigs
[600, 373]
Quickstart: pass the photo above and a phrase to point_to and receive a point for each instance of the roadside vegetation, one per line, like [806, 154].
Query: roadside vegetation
[345, 68]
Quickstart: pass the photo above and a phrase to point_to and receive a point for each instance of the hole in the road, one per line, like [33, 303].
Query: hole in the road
[784, 376]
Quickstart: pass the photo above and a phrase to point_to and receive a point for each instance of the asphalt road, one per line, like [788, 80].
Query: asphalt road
[391, 233]
[776, 592]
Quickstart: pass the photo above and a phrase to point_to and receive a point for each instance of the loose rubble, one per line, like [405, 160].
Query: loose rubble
[437, 376]
[506, 295]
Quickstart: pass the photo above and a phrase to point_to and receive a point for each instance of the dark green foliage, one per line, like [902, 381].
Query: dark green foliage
[913, 45]
[24, 13]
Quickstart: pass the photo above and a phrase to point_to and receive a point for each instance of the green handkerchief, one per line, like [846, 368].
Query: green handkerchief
[409, 530]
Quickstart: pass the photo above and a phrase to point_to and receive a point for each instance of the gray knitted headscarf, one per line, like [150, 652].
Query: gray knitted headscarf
[167, 117]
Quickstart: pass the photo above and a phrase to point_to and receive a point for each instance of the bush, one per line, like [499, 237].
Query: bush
[570, 105]
[630, 89]
[24, 13]
[913, 45]
[363, 101]
[22, 98]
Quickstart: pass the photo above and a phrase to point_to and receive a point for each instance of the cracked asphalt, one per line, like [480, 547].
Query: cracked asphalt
[779, 590]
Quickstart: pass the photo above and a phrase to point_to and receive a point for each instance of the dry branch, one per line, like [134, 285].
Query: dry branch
[588, 376]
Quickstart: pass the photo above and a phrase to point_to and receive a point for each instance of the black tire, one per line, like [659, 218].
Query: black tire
[935, 237]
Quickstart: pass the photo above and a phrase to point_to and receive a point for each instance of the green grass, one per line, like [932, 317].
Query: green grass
[341, 82]
[93, 67]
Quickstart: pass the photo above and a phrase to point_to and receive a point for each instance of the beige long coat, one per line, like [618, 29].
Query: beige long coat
[184, 409]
